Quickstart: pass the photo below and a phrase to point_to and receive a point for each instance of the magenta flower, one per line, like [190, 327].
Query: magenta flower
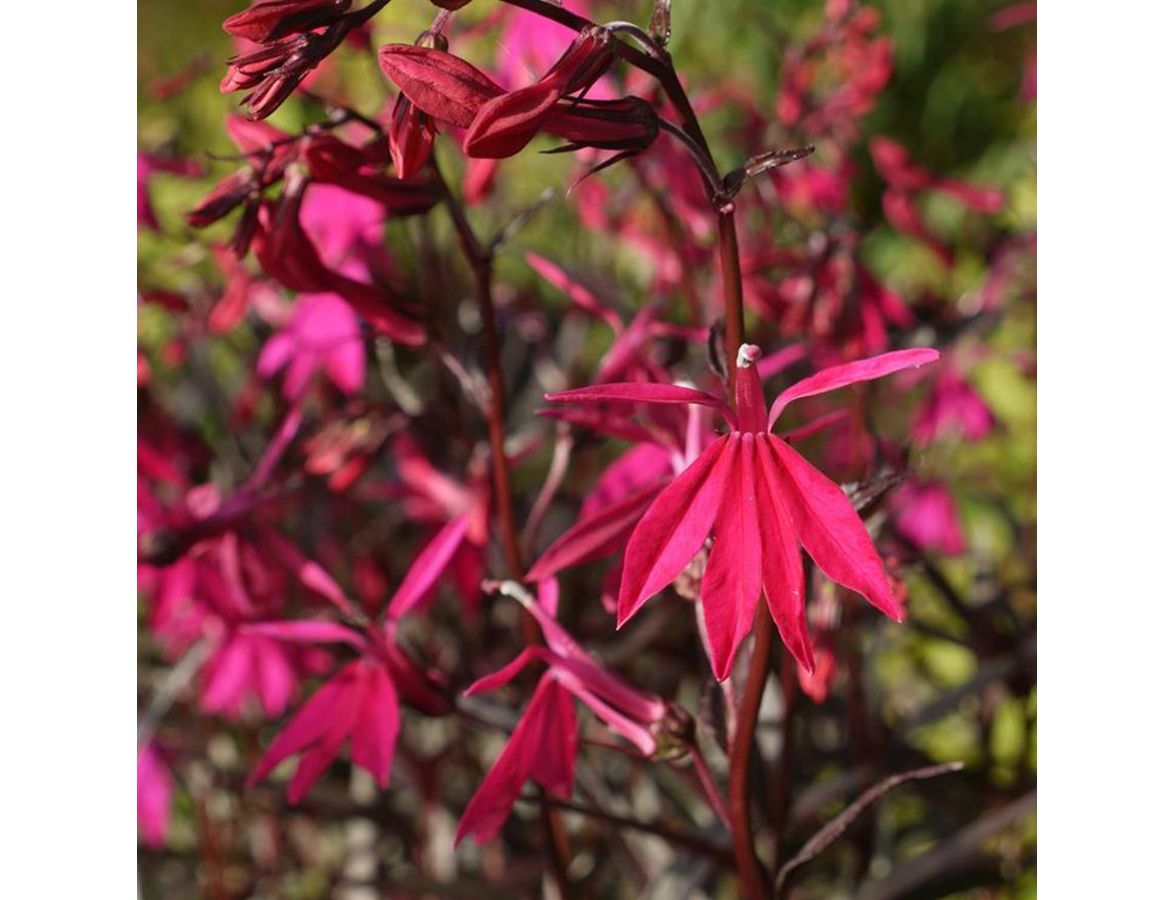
[544, 744]
[154, 797]
[763, 501]
[926, 516]
[360, 704]
[322, 334]
[952, 407]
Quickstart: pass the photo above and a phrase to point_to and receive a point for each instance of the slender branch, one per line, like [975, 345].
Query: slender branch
[751, 875]
[732, 292]
[667, 832]
[826, 836]
[709, 788]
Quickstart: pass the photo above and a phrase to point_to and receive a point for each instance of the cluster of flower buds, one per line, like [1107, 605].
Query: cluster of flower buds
[437, 86]
[293, 36]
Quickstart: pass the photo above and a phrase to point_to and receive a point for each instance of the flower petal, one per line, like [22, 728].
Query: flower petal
[734, 572]
[594, 536]
[439, 83]
[373, 741]
[674, 527]
[428, 566]
[830, 529]
[783, 569]
[859, 370]
[307, 631]
[641, 392]
[547, 730]
[307, 726]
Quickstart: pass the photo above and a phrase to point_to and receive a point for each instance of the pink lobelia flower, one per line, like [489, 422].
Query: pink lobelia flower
[323, 333]
[360, 703]
[154, 797]
[952, 407]
[925, 514]
[763, 501]
[543, 745]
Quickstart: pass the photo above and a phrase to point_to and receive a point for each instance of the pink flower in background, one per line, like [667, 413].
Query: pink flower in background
[154, 797]
[323, 333]
[542, 747]
[763, 501]
[905, 179]
[215, 593]
[360, 704]
[952, 407]
[925, 514]
[148, 165]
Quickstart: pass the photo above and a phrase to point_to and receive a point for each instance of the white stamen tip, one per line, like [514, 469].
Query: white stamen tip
[748, 354]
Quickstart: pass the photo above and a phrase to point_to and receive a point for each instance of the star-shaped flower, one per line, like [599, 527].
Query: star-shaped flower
[762, 501]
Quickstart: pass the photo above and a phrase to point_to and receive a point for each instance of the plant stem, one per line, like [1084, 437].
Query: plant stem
[669, 833]
[752, 877]
[732, 292]
[482, 263]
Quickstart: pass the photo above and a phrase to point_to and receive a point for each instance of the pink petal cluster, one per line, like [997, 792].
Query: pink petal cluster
[544, 744]
[322, 334]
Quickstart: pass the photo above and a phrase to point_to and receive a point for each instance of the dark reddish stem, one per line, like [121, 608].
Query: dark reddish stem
[732, 292]
[752, 877]
[482, 263]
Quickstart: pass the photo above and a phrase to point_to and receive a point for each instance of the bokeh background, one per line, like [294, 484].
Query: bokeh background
[957, 682]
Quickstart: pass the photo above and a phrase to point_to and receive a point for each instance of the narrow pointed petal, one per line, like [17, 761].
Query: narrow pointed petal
[307, 631]
[734, 572]
[228, 673]
[344, 714]
[576, 292]
[642, 392]
[508, 672]
[594, 536]
[275, 676]
[830, 530]
[841, 376]
[373, 741]
[783, 569]
[608, 422]
[584, 669]
[428, 566]
[637, 735]
[674, 527]
[308, 725]
[547, 728]
[556, 743]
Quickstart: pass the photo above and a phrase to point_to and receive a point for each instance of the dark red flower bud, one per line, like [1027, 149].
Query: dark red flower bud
[629, 123]
[438, 83]
[229, 193]
[332, 161]
[410, 137]
[506, 124]
[452, 5]
[583, 63]
[270, 20]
